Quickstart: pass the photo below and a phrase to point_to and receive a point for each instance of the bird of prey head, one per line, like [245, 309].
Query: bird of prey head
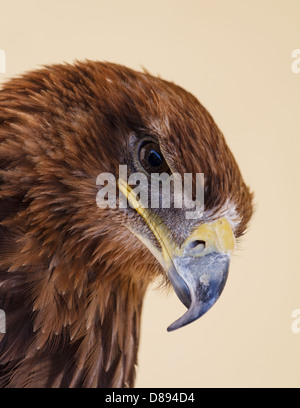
[73, 274]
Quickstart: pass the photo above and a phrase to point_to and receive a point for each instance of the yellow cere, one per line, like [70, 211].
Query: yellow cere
[218, 237]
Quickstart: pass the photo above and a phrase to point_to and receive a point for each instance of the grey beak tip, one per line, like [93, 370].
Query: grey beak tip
[198, 282]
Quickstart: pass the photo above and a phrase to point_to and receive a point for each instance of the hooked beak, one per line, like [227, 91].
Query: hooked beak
[198, 282]
[198, 269]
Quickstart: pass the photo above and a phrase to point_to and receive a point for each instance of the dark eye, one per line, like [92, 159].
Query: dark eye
[151, 158]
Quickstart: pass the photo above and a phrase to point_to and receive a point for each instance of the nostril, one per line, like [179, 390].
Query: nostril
[195, 246]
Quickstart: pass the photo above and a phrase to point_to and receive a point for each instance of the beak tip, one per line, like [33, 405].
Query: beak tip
[203, 295]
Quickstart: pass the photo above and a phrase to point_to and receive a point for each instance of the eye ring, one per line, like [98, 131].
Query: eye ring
[150, 158]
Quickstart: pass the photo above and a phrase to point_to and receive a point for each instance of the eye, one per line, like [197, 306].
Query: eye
[151, 158]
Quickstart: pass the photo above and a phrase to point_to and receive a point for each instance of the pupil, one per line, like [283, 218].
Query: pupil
[154, 159]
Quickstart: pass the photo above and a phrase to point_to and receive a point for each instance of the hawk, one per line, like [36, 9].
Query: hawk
[73, 275]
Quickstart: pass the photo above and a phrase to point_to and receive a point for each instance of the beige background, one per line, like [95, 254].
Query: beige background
[235, 56]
